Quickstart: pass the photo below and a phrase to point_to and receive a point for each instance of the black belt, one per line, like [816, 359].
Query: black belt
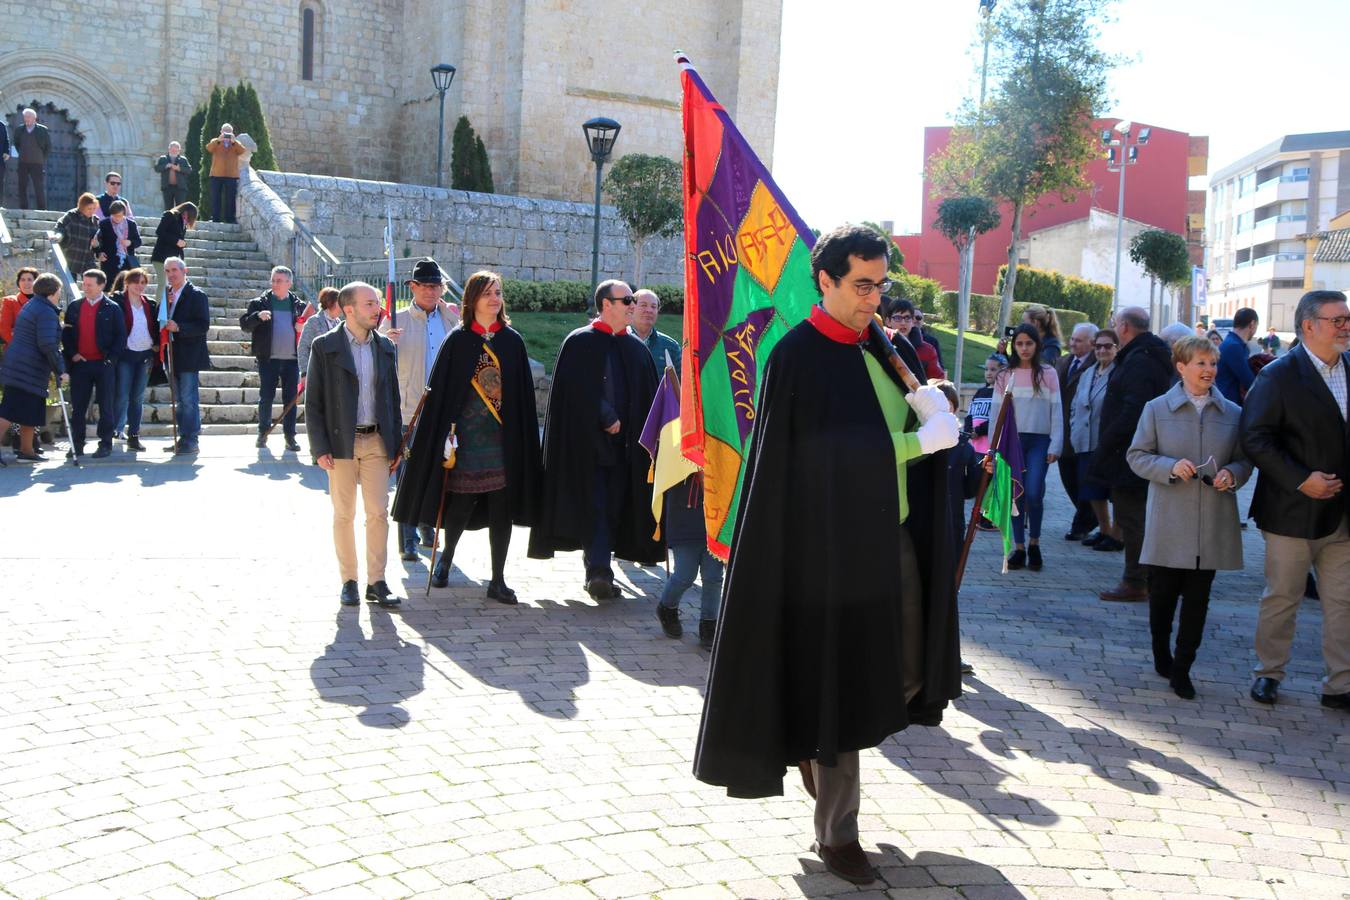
[367, 429]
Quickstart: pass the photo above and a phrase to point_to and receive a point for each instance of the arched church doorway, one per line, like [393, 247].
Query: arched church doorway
[67, 172]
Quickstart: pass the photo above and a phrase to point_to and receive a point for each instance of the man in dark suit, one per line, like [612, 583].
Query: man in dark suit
[1235, 377]
[189, 319]
[1069, 368]
[1143, 371]
[173, 168]
[1295, 429]
[354, 423]
[34, 144]
[93, 336]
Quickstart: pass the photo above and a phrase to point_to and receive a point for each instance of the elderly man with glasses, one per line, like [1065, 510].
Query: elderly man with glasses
[1294, 428]
[596, 497]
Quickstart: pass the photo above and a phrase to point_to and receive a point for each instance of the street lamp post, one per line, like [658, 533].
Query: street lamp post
[601, 133]
[441, 76]
[1123, 154]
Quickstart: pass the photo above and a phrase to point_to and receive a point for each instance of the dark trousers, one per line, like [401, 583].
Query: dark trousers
[459, 508]
[606, 499]
[223, 192]
[1165, 587]
[1129, 505]
[1084, 519]
[36, 175]
[270, 371]
[88, 380]
[174, 194]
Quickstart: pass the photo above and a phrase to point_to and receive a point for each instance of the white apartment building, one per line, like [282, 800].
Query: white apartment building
[1260, 207]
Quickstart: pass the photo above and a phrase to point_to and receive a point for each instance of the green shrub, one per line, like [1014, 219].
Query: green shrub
[983, 311]
[925, 293]
[574, 296]
[1068, 318]
[1059, 292]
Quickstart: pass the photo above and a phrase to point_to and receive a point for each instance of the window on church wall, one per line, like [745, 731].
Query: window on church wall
[311, 43]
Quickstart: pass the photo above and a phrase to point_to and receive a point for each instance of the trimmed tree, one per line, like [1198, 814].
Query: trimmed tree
[464, 157]
[192, 149]
[646, 191]
[252, 121]
[210, 128]
[1034, 136]
[482, 166]
[961, 220]
[1165, 258]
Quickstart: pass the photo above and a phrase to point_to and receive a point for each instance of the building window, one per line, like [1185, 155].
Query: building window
[311, 39]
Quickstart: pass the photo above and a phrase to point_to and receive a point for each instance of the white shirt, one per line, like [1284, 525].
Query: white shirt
[139, 338]
[1333, 375]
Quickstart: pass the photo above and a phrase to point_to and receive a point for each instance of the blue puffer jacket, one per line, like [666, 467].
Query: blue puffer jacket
[35, 352]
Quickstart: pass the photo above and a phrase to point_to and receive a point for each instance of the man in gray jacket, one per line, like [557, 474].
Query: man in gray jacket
[34, 144]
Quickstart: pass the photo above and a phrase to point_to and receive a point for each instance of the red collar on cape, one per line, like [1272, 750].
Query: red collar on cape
[832, 329]
[495, 327]
[599, 325]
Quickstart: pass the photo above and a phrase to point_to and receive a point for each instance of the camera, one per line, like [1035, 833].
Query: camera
[1008, 331]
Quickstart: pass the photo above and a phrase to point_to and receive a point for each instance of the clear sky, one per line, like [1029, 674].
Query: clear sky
[860, 79]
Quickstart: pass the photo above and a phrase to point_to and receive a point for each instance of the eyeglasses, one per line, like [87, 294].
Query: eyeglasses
[1337, 322]
[1103, 346]
[114, 184]
[901, 317]
[865, 288]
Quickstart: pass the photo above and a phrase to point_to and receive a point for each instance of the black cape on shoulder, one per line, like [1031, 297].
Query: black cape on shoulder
[808, 663]
[566, 512]
[448, 388]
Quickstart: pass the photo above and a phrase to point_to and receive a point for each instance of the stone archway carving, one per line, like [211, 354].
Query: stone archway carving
[113, 137]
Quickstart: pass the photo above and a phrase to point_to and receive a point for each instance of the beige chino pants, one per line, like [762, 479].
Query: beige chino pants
[370, 469]
[1287, 562]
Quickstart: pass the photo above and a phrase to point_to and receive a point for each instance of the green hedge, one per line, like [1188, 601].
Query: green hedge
[1068, 318]
[925, 293]
[1060, 292]
[983, 311]
[574, 296]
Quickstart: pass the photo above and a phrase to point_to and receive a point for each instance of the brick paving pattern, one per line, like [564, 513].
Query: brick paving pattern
[185, 711]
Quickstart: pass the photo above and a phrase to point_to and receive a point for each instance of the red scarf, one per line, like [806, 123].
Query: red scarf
[833, 329]
[599, 325]
[495, 327]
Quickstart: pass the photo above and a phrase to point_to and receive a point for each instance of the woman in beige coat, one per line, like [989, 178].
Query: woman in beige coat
[1187, 447]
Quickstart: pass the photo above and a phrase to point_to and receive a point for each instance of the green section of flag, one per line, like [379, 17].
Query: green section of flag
[998, 501]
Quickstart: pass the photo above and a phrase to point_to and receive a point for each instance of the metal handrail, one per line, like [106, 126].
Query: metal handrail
[312, 263]
[375, 272]
[60, 266]
[5, 236]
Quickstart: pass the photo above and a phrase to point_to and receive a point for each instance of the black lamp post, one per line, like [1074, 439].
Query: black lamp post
[441, 76]
[601, 133]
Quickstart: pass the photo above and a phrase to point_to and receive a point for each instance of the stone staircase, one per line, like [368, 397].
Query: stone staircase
[229, 267]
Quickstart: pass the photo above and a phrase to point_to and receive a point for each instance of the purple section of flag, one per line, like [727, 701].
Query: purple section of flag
[1008, 443]
[741, 344]
[665, 409]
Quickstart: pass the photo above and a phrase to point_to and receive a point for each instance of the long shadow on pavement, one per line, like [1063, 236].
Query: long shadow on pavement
[376, 673]
[942, 873]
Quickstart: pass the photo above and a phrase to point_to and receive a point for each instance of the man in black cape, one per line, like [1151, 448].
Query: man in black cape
[449, 389]
[838, 624]
[596, 497]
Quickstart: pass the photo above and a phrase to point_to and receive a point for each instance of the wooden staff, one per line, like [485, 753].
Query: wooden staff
[884, 343]
[173, 394]
[984, 486]
[446, 466]
[289, 406]
[403, 449]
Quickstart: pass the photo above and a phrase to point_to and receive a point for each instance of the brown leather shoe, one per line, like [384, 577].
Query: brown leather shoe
[808, 777]
[849, 862]
[1124, 593]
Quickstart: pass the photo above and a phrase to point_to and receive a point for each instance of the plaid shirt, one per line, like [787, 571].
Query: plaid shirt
[1333, 375]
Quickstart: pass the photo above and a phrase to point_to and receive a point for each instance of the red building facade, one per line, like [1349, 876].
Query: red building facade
[1156, 193]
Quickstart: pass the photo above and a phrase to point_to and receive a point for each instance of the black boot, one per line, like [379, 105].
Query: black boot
[707, 631]
[1034, 561]
[670, 620]
[1181, 675]
[440, 576]
[497, 590]
[1162, 655]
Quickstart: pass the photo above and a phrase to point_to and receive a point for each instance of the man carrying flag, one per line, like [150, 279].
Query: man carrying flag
[185, 315]
[677, 503]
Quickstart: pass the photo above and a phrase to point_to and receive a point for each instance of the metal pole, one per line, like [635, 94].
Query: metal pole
[967, 260]
[1120, 223]
[595, 243]
[440, 142]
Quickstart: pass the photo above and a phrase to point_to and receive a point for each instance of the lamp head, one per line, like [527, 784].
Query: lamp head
[601, 133]
[442, 75]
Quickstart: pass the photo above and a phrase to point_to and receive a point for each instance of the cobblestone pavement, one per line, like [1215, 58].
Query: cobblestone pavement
[186, 712]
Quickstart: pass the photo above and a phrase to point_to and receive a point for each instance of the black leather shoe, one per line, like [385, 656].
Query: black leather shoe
[1181, 684]
[349, 596]
[669, 617]
[185, 449]
[379, 593]
[134, 444]
[1265, 690]
[707, 631]
[849, 862]
[1018, 560]
[29, 457]
[292, 445]
[1075, 535]
[1092, 539]
[261, 442]
[967, 668]
[440, 576]
[497, 590]
[1337, 701]
[1108, 544]
[103, 451]
[601, 588]
[1034, 561]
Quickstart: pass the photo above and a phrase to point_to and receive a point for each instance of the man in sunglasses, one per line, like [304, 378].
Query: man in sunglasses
[596, 497]
[112, 192]
[1294, 428]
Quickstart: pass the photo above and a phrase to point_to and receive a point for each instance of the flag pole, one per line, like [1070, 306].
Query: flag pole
[898, 364]
[984, 486]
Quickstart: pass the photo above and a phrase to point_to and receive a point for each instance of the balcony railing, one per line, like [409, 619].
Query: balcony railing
[1273, 257]
[1299, 217]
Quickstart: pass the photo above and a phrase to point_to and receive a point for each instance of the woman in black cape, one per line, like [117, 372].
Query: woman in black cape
[482, 386]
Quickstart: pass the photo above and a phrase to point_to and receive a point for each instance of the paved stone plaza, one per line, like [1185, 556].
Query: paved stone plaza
[186, 712]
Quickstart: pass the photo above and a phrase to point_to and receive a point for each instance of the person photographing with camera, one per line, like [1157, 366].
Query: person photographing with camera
[225, 153]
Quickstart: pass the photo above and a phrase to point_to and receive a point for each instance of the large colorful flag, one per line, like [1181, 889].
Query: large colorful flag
[747, 279]
[661, 439]
[1000, 499]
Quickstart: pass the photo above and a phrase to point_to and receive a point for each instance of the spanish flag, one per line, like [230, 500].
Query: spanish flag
[661, 438]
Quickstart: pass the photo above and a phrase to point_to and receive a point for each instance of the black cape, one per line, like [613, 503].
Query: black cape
[807, 662]
[448, 388]
[566, 514]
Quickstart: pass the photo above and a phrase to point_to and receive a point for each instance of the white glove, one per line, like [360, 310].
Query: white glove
[939, 433]
[451, 442]
[928, 400]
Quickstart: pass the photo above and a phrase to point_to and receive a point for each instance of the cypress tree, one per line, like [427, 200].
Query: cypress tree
[463, 157]
[483, 167]
[192, 149]
[210, 129]
[252, 112]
